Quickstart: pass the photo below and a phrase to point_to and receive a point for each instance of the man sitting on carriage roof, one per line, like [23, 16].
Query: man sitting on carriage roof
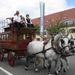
[17, 17]
[29, 22]
[19, 23]
[18, 20]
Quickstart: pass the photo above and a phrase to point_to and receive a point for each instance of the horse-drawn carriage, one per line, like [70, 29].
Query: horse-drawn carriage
[14, 42]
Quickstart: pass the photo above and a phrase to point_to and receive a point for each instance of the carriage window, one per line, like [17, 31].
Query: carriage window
[9, 37]
[27, 36]
[20, 37]
[4, 37]
[24, 36]
[0, 37]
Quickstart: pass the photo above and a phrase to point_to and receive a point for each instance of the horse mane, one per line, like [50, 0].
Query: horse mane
[56, 41]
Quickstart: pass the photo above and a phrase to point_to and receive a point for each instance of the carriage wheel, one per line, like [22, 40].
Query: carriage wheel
[1, 55]
[11, 59]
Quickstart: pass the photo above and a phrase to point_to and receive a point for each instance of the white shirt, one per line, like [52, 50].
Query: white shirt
[17, 18]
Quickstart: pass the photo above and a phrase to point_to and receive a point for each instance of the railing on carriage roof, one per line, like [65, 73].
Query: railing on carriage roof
[3, 24]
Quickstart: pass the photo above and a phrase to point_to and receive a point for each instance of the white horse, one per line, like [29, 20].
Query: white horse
[50, 52]
[65, 57]
[73, 45]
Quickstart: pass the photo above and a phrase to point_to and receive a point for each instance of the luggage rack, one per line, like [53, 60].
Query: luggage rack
[4, 24]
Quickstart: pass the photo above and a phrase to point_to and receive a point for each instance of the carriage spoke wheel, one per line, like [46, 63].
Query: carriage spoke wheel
[11, 59]
[1, 55]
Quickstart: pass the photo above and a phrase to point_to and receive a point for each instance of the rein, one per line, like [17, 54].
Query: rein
[72, 47]
[43, 51]
[65, 47]
[60, 52]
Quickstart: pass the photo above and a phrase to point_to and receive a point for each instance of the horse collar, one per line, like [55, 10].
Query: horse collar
[56, 51]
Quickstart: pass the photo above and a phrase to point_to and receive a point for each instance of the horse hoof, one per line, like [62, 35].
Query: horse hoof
[59, 69]
[49, 74]
[36, 70]
[64, 70]
[56, 72]
[25, 68]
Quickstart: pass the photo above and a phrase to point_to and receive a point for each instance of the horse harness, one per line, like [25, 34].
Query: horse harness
[55, 50]
[44, 50]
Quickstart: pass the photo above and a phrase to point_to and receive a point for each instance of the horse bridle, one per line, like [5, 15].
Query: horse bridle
[71, 44]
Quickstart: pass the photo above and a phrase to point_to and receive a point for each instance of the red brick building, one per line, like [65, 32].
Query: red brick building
[67, 16]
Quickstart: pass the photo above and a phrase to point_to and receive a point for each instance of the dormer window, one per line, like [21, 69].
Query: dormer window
[47, 21]
[65, 17]
[52, 19]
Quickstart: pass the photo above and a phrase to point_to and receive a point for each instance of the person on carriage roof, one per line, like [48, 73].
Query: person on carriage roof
[29, 22]
[18, 21]
[17, 17]
[23, 21]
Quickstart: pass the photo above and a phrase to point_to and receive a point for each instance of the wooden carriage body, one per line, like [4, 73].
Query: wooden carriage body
[15, 42]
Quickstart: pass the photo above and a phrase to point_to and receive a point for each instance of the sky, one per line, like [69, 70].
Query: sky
[32, 7]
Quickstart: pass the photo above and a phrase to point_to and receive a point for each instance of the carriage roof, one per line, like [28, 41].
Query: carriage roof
[17, 39]
[21, 31]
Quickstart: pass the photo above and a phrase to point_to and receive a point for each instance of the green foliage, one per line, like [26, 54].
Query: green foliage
[38, 29]
[57, 26]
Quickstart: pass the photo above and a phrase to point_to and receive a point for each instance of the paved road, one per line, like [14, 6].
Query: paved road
[18, 68]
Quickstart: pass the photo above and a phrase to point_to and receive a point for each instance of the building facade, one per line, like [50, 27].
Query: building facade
[68, 17]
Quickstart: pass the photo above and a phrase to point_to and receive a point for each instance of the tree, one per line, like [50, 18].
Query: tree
[57, 26]
[38, 28]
